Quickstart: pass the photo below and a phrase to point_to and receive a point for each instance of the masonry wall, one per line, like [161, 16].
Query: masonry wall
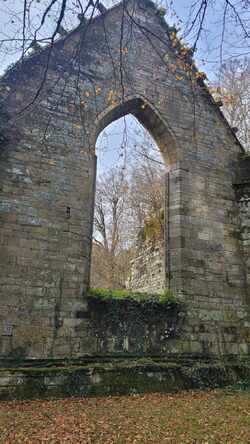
[242, 188]
[47, 177]
[147, 268]
[47, 182]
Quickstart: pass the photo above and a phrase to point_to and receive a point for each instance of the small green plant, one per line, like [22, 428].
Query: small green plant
[107, 294]
[162, 11]
[153, 227]
[166, 296]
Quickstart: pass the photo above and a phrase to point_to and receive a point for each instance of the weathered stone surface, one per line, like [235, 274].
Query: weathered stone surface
[119, 377]
[242, 186]
[147, 268]
[47, 179]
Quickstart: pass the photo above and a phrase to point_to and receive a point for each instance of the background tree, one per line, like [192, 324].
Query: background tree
[109, 219]
[147, 194]
[128, 212]
[232, 87]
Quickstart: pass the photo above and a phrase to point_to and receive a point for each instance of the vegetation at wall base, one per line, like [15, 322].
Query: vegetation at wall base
[165, 297]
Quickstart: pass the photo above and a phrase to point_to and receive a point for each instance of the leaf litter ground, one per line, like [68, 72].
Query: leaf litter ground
[201, 417]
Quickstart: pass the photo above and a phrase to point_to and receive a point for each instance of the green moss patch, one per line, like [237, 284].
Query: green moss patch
[104, 294]
[136, 376]
[137, 323]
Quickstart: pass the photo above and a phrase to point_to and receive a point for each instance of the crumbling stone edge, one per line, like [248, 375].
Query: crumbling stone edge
[119, 377]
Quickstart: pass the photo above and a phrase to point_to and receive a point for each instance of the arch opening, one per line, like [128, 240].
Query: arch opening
[129, 247]
[149, 118]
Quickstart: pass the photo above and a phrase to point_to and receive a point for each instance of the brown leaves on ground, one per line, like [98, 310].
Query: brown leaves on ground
[192, 417]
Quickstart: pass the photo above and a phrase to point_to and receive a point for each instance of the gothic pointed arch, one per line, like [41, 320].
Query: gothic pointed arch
[149, 117]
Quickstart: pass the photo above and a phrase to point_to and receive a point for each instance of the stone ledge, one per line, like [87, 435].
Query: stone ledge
[120, 377]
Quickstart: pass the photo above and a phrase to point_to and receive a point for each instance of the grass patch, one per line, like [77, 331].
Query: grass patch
[104, 294]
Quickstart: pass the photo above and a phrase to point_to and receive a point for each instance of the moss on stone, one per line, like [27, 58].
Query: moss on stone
[104, 294]
[128, 376]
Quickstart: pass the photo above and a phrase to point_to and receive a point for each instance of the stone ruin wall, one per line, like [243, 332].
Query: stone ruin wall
[47, 180]
[242, 188]
[147, 268]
